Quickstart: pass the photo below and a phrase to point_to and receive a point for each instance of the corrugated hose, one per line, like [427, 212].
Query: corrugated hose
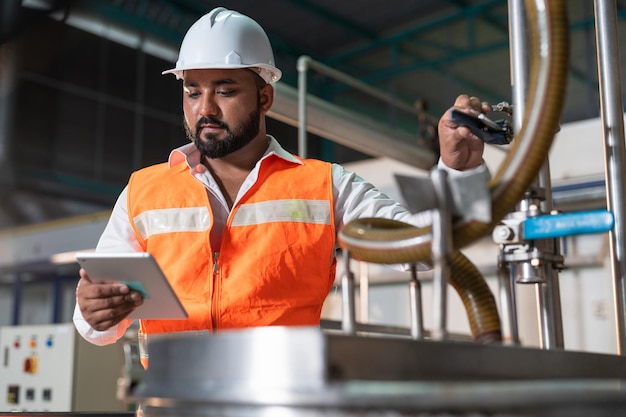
[391, 242]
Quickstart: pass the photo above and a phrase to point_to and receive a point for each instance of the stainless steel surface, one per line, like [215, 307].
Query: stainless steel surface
[348, 298]
[508, 304]
[518, 45]
[415, 306]
[469, 197]
[302, 66]
[364, 292]
[441, 252]
[548, 301]
[306, 372]
[612, 115]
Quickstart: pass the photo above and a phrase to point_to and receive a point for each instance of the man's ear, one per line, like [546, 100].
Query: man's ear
[266, 97]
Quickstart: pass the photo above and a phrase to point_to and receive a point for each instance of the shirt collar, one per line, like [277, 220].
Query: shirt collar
[191, 155]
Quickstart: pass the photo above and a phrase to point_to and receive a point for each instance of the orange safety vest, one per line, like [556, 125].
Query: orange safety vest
[276, 262]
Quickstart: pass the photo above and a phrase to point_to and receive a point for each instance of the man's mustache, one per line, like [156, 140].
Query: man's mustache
[210, 120]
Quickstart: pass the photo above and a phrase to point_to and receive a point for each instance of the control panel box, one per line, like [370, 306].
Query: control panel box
[52, 368]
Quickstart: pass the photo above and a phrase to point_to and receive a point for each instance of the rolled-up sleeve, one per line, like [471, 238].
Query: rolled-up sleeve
[357, 198]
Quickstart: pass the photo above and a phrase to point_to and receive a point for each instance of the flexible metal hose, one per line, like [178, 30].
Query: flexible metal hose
[479, 302]
[385, 241]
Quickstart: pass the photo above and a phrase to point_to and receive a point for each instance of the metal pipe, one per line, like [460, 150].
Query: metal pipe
[547, 337]
[548, 295]
[415, 300]
[302, 66]
[441, 249]
[508, 304]
[364, 292]
[348, 313]
[554, 324]
[518, 44]
[612, 115]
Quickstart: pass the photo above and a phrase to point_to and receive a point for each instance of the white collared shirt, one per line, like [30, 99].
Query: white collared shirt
[353, 198]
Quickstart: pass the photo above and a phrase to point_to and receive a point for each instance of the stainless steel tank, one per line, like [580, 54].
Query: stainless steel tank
[280, 371]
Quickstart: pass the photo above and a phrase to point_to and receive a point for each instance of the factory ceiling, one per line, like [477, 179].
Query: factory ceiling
[419, 51]
[428, 50]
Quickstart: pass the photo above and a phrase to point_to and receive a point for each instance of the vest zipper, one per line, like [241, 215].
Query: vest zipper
[214, 292]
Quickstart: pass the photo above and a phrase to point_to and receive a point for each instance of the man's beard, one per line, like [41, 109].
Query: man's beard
[235, 139]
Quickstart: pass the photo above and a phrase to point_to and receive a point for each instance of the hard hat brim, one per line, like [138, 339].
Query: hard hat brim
[269, 73]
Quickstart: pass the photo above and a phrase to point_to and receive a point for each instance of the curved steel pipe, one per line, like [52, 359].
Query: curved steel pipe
[389, 242]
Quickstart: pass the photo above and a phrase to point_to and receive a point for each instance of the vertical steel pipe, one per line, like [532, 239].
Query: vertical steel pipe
[508, 303]
[303, 68]
[548, 294]
[348, 308]
[518, 45]
[612, 115]
[415, 299]
[364, 292]
[441, 250]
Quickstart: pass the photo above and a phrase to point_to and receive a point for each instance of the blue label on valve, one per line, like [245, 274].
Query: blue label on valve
[568, 224]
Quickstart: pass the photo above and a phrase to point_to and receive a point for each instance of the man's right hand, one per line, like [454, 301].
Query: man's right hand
[104, 305]
[460, 149]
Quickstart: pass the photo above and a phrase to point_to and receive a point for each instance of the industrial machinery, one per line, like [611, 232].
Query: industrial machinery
[356, 369]
[50, 368]
[363, 370]
[307, 372]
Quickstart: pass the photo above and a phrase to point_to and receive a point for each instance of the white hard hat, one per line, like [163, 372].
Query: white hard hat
[225, 38]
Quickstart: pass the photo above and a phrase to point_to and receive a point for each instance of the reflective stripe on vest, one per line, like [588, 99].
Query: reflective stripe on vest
[303, 211]
[196, 219]
[172, 220]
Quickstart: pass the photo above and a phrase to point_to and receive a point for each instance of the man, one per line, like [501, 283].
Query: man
[244, 230]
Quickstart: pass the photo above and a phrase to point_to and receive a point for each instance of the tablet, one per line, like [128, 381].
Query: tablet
[141, 272]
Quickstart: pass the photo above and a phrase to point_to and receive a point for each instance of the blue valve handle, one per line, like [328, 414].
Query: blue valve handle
[568, 224]
[489, 131]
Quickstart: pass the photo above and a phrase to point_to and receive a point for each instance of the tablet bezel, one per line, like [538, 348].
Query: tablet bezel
[139, 267]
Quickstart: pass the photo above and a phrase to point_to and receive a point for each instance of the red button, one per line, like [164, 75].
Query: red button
[30, 365]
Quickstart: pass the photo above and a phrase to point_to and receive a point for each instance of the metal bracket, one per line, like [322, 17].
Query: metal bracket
[132, 373]
[469, 194]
